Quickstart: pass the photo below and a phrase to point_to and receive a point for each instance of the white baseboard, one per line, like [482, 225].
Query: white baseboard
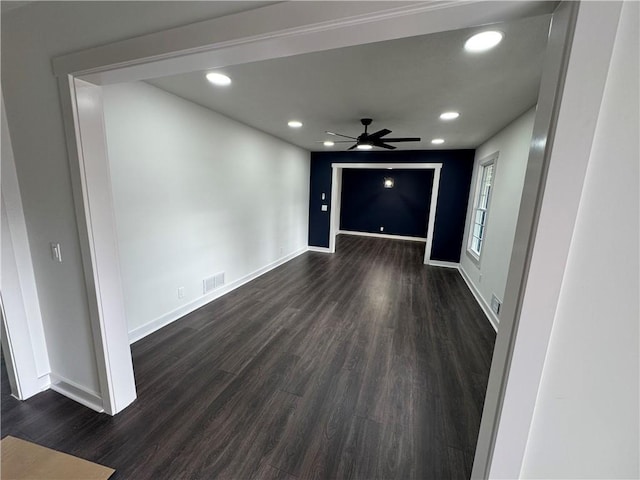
[383, 235]
[164, 320]
[493, 319]
[311, 248]
[438, 263]
[44, 382]
[76, 392]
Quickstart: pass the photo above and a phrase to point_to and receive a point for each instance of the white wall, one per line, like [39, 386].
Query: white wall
[27, 344]
[512, 143]
[195, 193]
[586, 419]
[34, 118]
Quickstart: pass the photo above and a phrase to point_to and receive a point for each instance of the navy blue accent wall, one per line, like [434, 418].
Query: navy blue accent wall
[402, 210]
[455, 182]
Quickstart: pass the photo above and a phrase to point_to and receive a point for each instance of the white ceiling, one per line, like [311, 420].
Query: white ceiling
[403, 85]
[8, 5]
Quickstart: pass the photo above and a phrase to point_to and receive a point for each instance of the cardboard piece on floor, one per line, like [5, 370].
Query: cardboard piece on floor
[23, 460]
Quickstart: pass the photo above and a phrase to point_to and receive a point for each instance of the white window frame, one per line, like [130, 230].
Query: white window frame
[483, 165]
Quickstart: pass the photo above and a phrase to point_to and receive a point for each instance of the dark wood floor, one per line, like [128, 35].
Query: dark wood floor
[363, 364]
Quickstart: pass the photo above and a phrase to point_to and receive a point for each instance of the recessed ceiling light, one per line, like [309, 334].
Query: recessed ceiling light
[437, 141]
[329, 143]
[483, 41]
[449, 115]
[364, 146]
[294, 124]
[218, 79]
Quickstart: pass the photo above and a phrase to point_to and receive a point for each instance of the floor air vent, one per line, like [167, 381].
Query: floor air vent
[496, 303]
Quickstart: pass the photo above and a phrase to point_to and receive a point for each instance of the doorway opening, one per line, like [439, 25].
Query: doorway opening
[386, 203]
[100, 251]
[337, 190]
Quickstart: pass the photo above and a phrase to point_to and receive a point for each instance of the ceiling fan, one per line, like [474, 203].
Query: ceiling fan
[366, 141]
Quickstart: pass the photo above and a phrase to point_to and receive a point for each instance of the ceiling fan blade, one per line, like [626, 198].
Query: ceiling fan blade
[340, 135]
[378, 134]
[408, 139]
[336, 141]
[352, 147]
[384, 145]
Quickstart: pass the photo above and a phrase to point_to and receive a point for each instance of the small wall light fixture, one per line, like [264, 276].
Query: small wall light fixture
[388, 182]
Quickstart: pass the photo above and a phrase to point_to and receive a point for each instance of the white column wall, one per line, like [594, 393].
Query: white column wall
[18, 285]
[586, 419]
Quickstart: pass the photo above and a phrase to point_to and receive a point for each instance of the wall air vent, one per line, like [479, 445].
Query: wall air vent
[213, 282]
[208, 284]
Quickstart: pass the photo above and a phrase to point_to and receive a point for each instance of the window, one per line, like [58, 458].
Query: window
[477, 234]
